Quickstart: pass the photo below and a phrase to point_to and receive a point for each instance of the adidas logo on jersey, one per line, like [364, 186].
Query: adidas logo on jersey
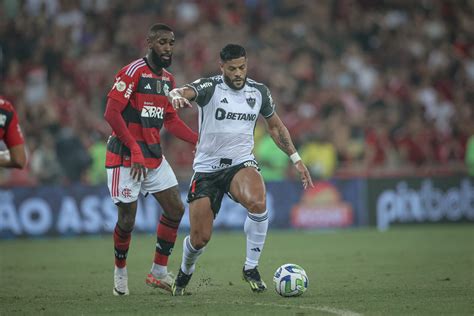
[224, 100]
[148, 86]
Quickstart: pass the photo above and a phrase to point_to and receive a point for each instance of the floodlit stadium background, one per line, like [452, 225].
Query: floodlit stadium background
[378, 97]
[377, 94]
[365, 87]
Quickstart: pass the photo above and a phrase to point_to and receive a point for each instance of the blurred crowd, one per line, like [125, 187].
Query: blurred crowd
[366, 87]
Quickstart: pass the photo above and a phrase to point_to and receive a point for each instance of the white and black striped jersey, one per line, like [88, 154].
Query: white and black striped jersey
[227, 119]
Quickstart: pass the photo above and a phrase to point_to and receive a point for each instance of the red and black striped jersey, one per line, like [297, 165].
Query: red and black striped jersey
[144, 95]
[10, 131]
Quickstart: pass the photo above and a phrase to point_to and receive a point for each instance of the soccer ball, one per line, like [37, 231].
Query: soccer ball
[290, 280]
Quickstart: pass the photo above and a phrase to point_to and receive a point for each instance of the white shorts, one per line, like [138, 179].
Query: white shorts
[124, 189]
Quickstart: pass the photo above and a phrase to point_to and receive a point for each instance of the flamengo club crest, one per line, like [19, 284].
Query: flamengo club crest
[158, 86]
[251, 102]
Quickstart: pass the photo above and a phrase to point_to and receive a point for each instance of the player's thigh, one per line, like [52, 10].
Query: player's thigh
[170, 202]
[122, 187]
[159, 179]
[201, 219]
[247, 188]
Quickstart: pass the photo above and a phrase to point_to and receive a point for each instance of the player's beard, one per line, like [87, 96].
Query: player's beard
[229, 82]
[158, 62]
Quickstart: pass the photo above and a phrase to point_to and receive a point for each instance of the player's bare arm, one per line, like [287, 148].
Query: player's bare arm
[15, 157]
[180, 97]
[282, 139]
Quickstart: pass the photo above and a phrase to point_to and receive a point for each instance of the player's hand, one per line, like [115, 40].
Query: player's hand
[304, 174]
[180, 102]
[138, 171]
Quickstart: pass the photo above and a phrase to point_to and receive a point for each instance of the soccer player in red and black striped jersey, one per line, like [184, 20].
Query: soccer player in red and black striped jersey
[10, 134]
[137, 108]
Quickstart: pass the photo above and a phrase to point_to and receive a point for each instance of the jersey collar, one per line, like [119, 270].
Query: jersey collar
[159, 73]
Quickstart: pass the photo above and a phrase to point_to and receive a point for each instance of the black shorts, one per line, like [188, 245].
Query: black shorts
[215, 184]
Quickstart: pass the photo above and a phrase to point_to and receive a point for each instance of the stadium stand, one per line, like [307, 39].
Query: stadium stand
[388, 85]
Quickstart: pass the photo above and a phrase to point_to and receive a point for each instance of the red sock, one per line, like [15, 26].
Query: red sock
[166, 233]
[121, 244]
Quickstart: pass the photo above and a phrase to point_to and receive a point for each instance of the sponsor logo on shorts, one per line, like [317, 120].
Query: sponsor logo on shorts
[223, 163]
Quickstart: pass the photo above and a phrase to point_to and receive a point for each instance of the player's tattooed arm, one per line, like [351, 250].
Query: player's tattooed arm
[180, 97]
[280, 134]
[282, 139]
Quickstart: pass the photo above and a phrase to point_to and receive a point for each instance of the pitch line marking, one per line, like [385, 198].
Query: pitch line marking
[327, 309]
[336, 311]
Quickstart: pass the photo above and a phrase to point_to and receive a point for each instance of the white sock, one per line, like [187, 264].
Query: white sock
[121, 271]
[256, 226]
[159, 270]
[190, 256]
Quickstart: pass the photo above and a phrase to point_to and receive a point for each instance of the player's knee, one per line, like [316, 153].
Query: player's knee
[175, 213]
[200, 243]
[180, 211]
[199, 240]
[173, 207]
[127, 223]
[257, 205]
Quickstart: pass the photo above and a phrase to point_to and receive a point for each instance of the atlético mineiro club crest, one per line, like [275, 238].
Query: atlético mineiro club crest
[251, 102]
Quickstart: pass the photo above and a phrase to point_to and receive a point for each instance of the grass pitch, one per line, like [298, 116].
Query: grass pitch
[412, 270]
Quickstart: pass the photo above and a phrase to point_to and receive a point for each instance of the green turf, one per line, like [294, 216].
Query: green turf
[412, 270]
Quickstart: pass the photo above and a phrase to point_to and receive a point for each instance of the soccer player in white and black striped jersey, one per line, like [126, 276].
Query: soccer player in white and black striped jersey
[229, 105]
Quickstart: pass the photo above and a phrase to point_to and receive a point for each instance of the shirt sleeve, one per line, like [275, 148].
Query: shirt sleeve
[178, 128]
[204, 89]
[13, 134]
[124, 86]
[268, 106]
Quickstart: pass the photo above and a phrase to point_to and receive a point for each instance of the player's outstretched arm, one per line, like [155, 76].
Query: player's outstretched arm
[181, 97]
[14, 157]
[178, 128]
[282, 139]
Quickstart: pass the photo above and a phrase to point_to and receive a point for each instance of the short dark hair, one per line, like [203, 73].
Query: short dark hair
[158, 27]
[232, 51]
